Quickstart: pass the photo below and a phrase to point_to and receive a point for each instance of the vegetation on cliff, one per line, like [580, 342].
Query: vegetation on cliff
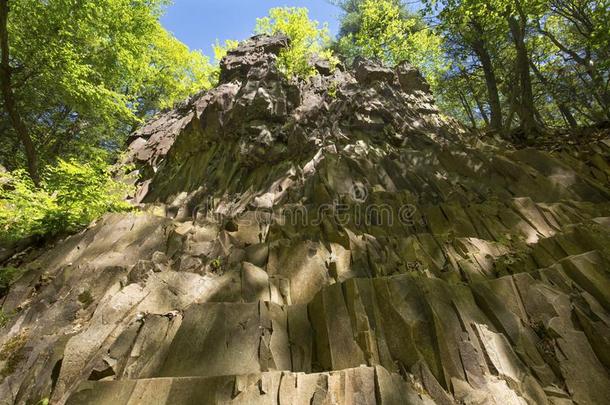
[78, 77]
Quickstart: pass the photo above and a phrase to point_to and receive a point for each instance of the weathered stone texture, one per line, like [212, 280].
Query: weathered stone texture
[335, 240]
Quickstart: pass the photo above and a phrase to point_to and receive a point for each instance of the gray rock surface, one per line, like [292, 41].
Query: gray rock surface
[335, 240]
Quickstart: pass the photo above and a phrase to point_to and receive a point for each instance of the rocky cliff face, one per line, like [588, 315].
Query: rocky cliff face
[330, 241]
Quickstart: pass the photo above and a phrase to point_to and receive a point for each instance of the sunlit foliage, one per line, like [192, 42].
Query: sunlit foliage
[307, 39]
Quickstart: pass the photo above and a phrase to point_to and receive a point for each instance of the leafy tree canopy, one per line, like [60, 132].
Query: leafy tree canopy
[548, 57]
[88, 71]
[385, 30]
[307, 39]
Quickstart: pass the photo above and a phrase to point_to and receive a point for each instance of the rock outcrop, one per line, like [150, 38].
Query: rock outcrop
[335, 240]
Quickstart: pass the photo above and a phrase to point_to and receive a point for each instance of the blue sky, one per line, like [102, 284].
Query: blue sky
[198, 23]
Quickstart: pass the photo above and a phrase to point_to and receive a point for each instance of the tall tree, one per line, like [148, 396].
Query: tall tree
[578, 29]
[9, 97]
[472, 45]
[82, 74]
[545, 61]
[479, 45]
[517, 22]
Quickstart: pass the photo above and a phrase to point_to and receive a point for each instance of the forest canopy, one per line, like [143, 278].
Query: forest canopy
[499, 64]
[77, 77]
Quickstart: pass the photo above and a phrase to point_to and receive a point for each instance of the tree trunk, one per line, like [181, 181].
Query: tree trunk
[9, 98]
[491, 82]
[512, 102]
[599, 89]
[526, 108]
[468, 110]
[482, 111]
[563, 108]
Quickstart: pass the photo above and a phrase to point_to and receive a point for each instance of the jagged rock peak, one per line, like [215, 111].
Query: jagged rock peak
[252, 52]
[262, 117]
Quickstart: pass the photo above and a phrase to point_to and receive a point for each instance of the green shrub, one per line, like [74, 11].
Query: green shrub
[71, 195]
[23, 208]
